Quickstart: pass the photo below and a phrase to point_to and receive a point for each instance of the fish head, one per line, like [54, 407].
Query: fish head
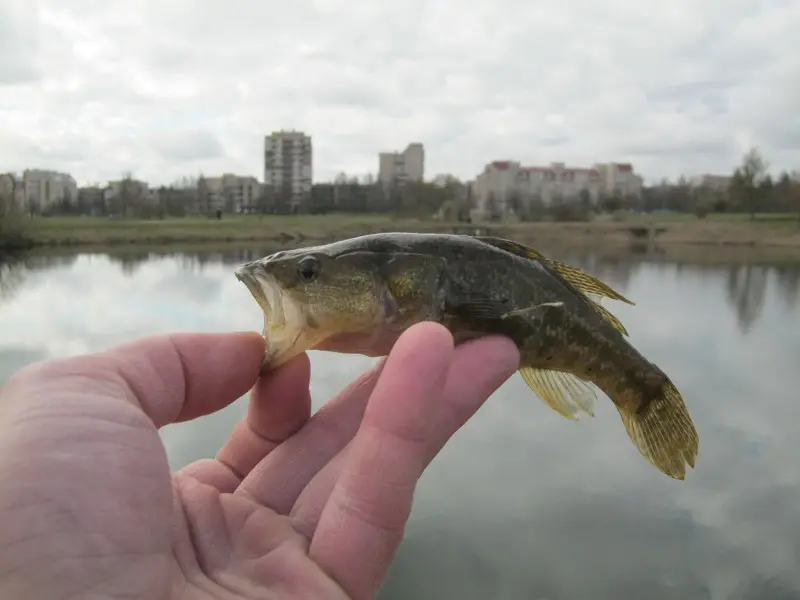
[308, 296]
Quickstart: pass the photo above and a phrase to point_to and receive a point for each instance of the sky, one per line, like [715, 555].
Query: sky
[178, 88]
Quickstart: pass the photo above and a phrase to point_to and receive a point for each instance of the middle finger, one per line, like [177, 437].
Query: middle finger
[478, 369]
[278, 479]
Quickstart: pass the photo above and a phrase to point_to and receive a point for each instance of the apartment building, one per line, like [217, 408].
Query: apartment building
[11, 191]
[122, 194]
[397, 168]
[41, 189]
[618, 179]
[288, 166]
[233, 192]
[502, 178]
[714, 182]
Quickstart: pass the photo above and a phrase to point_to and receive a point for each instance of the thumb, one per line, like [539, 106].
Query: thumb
[172, 378]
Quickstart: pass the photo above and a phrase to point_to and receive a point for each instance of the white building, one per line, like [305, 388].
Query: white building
[42, 189]
[234, 192]
[714, 182]
[124, 194]
[11, 192]
[396, 168]
[619, 179]
[288, 165]
[501, 179]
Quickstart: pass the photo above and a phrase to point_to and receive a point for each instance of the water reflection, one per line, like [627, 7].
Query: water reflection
[747, 288]
[522, 504]
[748, 281]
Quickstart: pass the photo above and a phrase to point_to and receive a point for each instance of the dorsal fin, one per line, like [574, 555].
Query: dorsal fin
[584, 282]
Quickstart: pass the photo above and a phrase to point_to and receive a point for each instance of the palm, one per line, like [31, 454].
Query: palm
[238, 560]
[291, 507]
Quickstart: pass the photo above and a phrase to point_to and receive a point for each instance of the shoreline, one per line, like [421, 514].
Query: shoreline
[728, 233]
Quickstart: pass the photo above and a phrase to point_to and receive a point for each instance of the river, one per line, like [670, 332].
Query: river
[522, 503]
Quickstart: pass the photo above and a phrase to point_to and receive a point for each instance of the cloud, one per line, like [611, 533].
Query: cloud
[164, 89]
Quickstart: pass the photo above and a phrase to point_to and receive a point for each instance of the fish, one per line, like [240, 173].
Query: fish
[358, 295]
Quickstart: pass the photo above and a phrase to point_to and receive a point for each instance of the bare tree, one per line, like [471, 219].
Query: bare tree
[750, 176]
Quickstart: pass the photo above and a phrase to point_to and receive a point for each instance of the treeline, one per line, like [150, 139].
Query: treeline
[750, 189]
[13, 230]
[450, 199]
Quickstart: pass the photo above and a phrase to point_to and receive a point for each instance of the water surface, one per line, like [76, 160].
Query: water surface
[522, 503]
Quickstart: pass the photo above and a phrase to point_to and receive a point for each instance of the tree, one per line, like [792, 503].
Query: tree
[203, 195]
[266, 198]
[794, 198]
[611, 203]
[783, 193]
[12, 225]
[492, 207]
[752, 172]
[766, 194]
[514, 202]
[585, 198]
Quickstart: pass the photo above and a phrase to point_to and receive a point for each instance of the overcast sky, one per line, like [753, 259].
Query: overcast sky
[179, 87]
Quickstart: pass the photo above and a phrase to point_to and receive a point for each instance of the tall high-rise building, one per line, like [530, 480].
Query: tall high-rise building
[397, 168]
[288, 167]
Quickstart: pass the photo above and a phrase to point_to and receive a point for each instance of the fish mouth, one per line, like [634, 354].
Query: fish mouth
[284, 319]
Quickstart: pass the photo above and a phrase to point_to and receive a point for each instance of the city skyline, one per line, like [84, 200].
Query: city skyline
[687, 92]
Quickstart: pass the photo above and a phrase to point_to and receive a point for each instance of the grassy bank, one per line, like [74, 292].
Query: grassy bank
[716, 230]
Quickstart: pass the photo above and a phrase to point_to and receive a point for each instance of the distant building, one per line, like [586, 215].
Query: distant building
[123, 195]
[91, 199]
[288, 167]
[714, 182]
[43, 189]
[619, 179]
[397, 168]
[444, 179]
[234, 193]
[502, 179]
[11, 191]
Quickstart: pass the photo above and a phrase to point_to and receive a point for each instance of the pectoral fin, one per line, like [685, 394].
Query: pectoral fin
[413, 283]
[565, 393]
[531, 309]
[480, 307]
[408, 274]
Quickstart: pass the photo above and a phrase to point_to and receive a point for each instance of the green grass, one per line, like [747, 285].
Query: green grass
[721, 217]
[99, 230]
[46, 224]
[60, 231]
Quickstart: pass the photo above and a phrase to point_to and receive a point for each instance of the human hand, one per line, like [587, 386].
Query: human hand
[291, 507]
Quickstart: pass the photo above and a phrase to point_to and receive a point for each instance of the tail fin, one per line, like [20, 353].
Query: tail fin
[663, 432]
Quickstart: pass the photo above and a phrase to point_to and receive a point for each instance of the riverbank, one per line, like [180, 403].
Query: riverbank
[721, 231]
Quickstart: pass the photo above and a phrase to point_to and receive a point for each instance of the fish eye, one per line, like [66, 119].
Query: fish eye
[308, 269]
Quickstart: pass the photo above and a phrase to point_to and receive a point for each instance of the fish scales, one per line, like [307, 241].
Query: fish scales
[358, 295]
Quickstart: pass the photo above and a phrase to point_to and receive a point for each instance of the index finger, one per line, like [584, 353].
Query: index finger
[362, 523]
[170, 378]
